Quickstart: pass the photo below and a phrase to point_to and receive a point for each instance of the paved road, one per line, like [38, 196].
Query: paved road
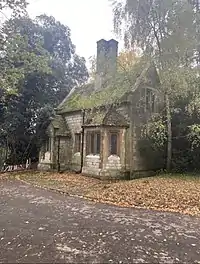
[42, 226]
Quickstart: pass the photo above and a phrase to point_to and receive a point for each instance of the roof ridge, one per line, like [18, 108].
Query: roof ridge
[85, 96]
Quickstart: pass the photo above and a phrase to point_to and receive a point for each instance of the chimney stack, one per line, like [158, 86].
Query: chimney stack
[112, 56]
[107, 52]
[102, 50]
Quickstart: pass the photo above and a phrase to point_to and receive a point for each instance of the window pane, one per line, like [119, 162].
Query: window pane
[77, 145]
[48, 145]
[113, 144]
[93, 143]
[153, 103]
[98, 143]
[88, 143]
[92, 150]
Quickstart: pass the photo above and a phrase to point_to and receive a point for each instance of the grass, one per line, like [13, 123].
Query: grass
[166, 192]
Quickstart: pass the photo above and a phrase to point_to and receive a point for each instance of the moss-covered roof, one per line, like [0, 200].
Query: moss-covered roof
[95, 117]
[114, 118]
[105, 117]
[57, 121]
[112, 90]
[60, 126]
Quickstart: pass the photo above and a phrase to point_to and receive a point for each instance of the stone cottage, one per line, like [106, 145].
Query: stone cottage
[97, 128]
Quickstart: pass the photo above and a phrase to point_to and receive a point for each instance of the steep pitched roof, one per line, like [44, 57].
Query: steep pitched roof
[112, 90]
[114, 118]
[105, 117]
[60, 126]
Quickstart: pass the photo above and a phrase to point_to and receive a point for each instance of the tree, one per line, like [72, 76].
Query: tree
[26, 113]
[127, 59]
[16, 6]
[92, 67]
[165, 32]
[68, 68]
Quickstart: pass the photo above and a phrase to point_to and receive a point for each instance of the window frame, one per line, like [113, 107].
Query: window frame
[150, 100]
[77, 142]
[117, 147]
[93, 142]
[47, 147]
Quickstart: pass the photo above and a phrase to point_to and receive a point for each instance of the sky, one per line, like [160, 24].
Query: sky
[89, 20]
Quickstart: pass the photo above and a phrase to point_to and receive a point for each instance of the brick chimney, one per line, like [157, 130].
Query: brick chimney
[107, 52]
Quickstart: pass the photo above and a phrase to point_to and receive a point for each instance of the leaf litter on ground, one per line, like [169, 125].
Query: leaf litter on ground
[165, 193]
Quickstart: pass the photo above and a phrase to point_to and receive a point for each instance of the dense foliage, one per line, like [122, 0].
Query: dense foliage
[168, 33]
[39, 66]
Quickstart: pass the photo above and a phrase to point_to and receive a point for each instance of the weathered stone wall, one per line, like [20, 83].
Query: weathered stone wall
[46, 159]
[69, 160]
[76, 162]
[92, 161]
[65, 153]
[92, 165]
[143, 158]
[113, 163]
[123, 109]
[75, 122]
[106, 165]
[44, 166]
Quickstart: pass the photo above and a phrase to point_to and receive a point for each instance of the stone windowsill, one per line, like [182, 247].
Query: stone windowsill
[114, 157]
[45, 161]
[77, 154]
[93, 156]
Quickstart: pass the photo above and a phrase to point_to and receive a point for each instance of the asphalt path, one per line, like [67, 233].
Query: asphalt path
[40, 226]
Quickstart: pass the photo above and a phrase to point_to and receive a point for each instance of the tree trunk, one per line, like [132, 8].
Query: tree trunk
[169, 133]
